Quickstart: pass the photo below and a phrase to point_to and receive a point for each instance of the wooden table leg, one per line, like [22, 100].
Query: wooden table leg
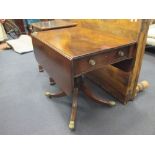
[52, 82]
[97, 99]
[40, 68]
[74, 109]
[59, 94]
[79, 84]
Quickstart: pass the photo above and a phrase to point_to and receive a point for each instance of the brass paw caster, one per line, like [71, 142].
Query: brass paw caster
[71, 125]
[48, 94]
[112, 103]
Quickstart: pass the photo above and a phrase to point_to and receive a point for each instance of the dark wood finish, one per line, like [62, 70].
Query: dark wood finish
[69, 47]
[57, 66]
[84, 65]
[77, 42]
[126, 65]
[58, 94]
[113, 80]
[40, 68]
[138, 59]
[74, 109]
[120, 79]
[97, 99]
[71, 53]
[52, 24]
[45, 25]
[52, 82]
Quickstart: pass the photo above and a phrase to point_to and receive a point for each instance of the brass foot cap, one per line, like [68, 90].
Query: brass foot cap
[41, 70]
[71, 125]
[52, 83]
[112, 103]
[48, 94]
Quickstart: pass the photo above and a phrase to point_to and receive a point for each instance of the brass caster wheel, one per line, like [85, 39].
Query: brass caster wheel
[112, 103]
[48, 94]
[71, 125]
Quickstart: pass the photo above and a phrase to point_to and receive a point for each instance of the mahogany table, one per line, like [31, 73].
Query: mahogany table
[68, 54]
[50, 25]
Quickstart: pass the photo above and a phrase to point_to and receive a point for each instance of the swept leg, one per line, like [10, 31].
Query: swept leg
[74, 109]
[59, 94]
[52, 82]
[97, 99]
[40, 68]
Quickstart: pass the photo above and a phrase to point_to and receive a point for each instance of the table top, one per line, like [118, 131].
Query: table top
[77, 41]
[53, 24]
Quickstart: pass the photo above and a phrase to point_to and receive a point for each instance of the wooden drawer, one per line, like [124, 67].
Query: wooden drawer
[86, 64]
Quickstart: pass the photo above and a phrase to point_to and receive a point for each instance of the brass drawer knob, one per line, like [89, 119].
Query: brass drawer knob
[92, 62]
[121, 53]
